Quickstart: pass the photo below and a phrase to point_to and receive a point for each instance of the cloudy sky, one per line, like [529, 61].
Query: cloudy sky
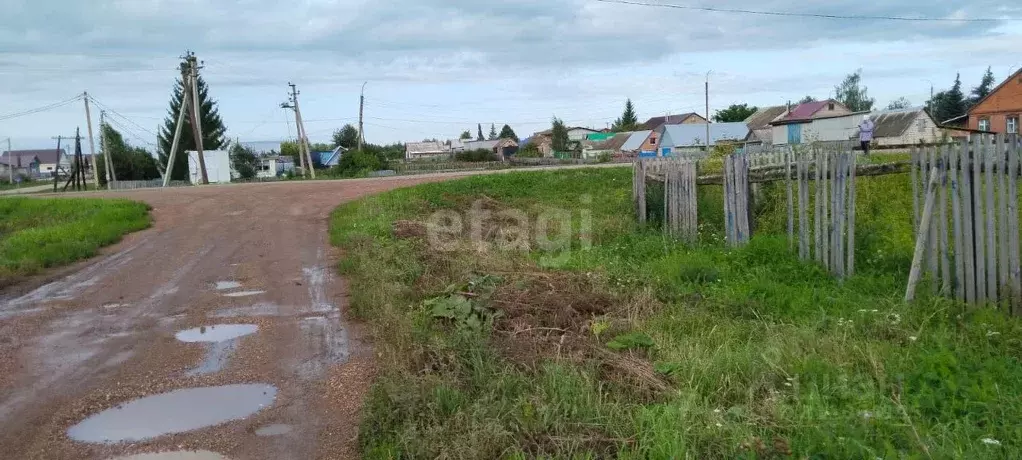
[437, 67]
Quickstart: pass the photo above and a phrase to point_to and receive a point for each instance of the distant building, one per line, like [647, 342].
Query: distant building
[275, 166]
[691, 138]
[218, 166]
[656, 123]
[1000, 110]
[759, 123]
[331, 158]
[39, 163]
[641, 143]
[503, 148]
[426, 150]
[798, 125]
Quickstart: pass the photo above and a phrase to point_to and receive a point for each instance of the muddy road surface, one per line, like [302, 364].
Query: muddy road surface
[222, 330]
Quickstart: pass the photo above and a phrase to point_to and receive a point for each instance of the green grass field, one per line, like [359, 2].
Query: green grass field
[39, 233]
[640, 347]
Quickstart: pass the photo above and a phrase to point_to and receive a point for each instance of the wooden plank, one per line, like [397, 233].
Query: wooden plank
[741, 199]
[915, 188]
[728, 214]
[668, 181]
[850, 270]
[642, 192]
[1013, 231]
[803, 206]
[827, 195]
[694, 200]
[791, 203]
[932, 246]
[956, 219]
[990, 151]
[839, 245]
[818, 210]
[968, 241]
[1002, 220]
[945, 263]
[922, 235]
[978, 232]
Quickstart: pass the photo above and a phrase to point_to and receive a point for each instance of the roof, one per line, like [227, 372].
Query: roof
[613, 143]
[692, 134]
[44, 155]
[1018, 73]
[425, 148]
[805, 112]
[582, 127]
[635, 141]
[762, 118]
[656, 122]
[894, 123]
[481, 145]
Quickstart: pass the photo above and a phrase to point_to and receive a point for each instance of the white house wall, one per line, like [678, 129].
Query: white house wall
[929, 133]
[822, 129]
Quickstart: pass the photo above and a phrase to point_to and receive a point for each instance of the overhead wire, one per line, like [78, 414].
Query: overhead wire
[40, 109]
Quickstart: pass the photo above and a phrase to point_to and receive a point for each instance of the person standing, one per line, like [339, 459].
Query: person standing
[866, 133]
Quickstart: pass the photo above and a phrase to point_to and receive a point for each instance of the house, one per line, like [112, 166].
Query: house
[641, 143]
[331, 158]
[40, 163]
[999, 111]
[426, 150]
[611, 145]
[691, 138]
[904, 127]
[218, 166]
[759, 123]
[801, 123]
[503, 148]
[579, 133]
[275, 166]
[542, 142]
[656, 123]
[456, 145]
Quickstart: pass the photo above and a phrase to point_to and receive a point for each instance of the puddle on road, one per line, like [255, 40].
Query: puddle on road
[216, 333]
[259, 309]
[227, 285]
[243, 293]
[217, 355]
[178, 411]
[273, 430]
[177, 455]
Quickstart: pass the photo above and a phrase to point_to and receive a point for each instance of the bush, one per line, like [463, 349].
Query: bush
[476, 155]
[529, 150]
[604, 157]
[357, 163]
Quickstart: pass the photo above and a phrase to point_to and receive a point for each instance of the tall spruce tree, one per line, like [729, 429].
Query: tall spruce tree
[949, 104]
[480, 137]
[628, 121]
[507, 133]
[493, 132]
[213, 129]
[986, 85]
[559, 135]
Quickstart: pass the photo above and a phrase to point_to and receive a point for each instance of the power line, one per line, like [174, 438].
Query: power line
[40, 109]
[108, 109]
[805, 15]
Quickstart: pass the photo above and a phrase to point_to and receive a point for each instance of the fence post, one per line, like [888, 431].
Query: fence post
[791, 204]
[991, 221]
[956, 219]
[851, 215]
[945, 264]
[978, 218]
[921, 236]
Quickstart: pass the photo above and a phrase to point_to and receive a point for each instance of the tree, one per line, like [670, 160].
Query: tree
[559, 136]
[734, 113]
[290, 149]
[807, 99]
[465, 135]
[949, 104]
[493, 132]
[346, 137]
[359, 163]
[130, 163]
[899, 103]
[507, 133]
[480, 136]
[628, 120]
[213, 129]
[986, 85]
[244, 161]
[852, 94]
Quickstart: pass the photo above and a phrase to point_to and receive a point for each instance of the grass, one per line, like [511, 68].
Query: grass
[718, 353]
[36, 234]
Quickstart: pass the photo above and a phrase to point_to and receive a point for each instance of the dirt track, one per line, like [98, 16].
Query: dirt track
[104, 334]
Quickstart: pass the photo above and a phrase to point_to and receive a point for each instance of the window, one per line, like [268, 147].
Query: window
[652, 140]
[1012, 124]
[984, 124]
[922, 126]
[830, 106]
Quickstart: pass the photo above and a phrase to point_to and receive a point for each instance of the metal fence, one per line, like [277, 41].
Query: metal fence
[137, 184]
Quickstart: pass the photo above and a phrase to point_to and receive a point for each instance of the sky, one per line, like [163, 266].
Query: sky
[434, 68]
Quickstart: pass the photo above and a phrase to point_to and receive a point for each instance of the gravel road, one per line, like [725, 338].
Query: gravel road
[101, 334]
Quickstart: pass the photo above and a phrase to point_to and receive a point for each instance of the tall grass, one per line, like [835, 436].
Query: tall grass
[764, 355]
[39, 233]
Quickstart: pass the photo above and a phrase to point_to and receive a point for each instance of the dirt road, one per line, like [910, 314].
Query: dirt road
[104, 334]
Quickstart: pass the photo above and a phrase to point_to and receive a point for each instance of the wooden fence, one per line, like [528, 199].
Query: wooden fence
[681, 204]
[979, 262]
[736, 200]
[833, 226]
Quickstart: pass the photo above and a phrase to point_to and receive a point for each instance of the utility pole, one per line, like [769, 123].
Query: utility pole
[108, 163]
[10, 161]
[361, 108]
[191, 82]
[92, 143]
[177, 130]
[708, 111]
[305, 159]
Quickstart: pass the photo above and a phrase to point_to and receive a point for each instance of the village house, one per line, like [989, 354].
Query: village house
[40, 163]
[691, 138]
[655, 123]
[502, 148]
[802, 123]
[999, 111]
[759, 123]
[331, 158]
[611, 144]
[426, 150]
[641, 143]
[904, 127]
[276, 166]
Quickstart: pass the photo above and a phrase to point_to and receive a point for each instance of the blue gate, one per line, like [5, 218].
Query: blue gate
[795, 133]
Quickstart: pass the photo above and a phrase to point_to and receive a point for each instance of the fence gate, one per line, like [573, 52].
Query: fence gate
[681, 216]
[830, 240]
[979, 263]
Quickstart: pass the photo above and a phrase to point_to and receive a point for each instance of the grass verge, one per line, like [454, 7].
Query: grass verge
[639, 347]
[36, 234]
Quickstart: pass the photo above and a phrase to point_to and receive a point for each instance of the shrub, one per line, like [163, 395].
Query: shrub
[476, 155]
